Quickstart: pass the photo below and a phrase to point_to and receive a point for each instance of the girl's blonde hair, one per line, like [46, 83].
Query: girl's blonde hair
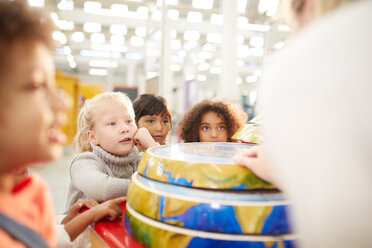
[85, 121]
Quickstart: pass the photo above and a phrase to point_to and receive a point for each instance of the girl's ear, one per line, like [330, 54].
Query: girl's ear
[92, 138]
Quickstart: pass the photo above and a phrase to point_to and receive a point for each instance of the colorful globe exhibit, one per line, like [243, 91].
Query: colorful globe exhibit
[193, 195]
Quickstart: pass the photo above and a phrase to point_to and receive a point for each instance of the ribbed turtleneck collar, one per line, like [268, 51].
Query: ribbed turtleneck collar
[113, 160]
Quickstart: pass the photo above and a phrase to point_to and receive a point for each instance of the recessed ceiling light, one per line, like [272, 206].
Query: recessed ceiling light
[77, 36]
[202, 4]
[92, 27]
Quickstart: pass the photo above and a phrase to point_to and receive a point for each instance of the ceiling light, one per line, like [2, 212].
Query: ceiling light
[256, 27]
[205, 55]
[204, 4]
[152, 74]
[97, 38]
[173, 34]
[72, 64]
[36, 3]
[153, 52]
[174, 67]
[251, 79]
[240, 63]
[141, 31]
[243, 51]
[103, 63]
[175, 44]
[100, 54]
[189, 45]
[201, 77]
[239, 80]
[92, 7]
[194, 17]
[99, 63]
[216, 19]
[241, 6]
[256, 41]
[214, 37]
[191, 35]
[242, 21]
[156, 15]
[171, 2]
[67, 50]
[218, 62]
[203, 67]
[92, 27]
[109, 48]
[240, 39]
[65, 25]
[182, 53]
[65, 5]
[97, 72]
[137, 41]
[118, 29]
[215, 70]
[143, 11]
[54, 17]
[118, 9]
[176, 59]
[173, 14]
[208, 47]
[279, 45]
[189, 77]
[258, 73]
[77, 36]
[59, 36]
[257, 51]
[70, 58]
[133, 56]
[117, 39]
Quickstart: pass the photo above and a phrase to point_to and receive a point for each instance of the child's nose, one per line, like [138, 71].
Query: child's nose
[124, 128]
[158, 126]
[213, 132]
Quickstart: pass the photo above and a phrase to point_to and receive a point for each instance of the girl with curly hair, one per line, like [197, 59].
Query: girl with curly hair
[211, 121]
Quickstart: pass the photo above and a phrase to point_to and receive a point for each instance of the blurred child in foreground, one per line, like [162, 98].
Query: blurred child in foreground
[32, 110]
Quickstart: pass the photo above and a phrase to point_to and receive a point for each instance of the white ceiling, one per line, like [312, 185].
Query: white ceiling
[79, 58]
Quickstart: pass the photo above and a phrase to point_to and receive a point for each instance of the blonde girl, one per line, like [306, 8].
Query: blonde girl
[106, 138]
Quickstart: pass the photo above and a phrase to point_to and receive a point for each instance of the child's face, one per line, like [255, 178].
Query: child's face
[113, 128]
[212, 128]
[33, 109]
[157, 125]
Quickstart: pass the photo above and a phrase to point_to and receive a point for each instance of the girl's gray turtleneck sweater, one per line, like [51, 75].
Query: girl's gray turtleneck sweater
[100, 175]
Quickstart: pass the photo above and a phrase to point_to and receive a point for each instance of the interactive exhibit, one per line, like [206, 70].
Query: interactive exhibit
[194, 195]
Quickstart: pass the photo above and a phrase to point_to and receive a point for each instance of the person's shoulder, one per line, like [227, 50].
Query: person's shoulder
[85, 159]
[84, 156]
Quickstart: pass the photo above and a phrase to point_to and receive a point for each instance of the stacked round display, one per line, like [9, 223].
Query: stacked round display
[193, 195]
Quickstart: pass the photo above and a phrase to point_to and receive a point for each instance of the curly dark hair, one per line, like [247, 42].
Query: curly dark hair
[19, 22]
[150, 104]
[190, 123]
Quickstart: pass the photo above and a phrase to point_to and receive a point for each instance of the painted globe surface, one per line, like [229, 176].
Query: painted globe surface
[194, 195]
[201, 165]
[215, 211]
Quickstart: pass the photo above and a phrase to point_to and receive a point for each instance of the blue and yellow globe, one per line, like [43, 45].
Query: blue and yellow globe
[193, 195]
